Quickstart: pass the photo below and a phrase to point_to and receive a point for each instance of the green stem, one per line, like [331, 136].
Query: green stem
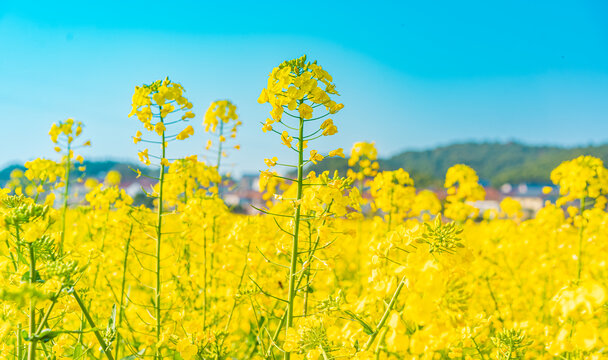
[122, 293]
[384, 318]
[478, 349]
[212, 255]
[324, 353]
[219, 151]
[65, 199]
[19, 345]
[299, 281]
[204, 279]
[101, 249]
[31, 351]
[379, 345]
[235, 301]
[47, 314]
[580, 239]
[500, 318]
[306, 288]
[80, 333]
[294, 248]
[37, 193]
[102, 343]
[390, 212]
[157, 289]
[185, 192]
[45, 351]
[18, 242]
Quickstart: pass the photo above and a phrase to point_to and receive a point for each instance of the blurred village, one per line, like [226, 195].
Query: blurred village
[243, 194]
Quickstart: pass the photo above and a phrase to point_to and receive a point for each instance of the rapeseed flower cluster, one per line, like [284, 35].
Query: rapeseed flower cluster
[222, 112]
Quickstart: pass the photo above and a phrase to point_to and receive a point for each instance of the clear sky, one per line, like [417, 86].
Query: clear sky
[412, 74]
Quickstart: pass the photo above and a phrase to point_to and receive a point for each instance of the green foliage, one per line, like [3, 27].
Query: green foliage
[441, 237]
[511, 344]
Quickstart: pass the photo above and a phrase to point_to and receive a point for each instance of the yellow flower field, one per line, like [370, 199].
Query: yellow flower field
[362, 266]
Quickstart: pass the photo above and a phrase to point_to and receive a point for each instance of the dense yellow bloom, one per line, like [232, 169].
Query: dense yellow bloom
[68, 130]
[187, 350]
[291, 340]
[303, 86]
[462, 184]
[584, 176]
[362, 160]
[394, 193]
[461, 286]
[161, 92]
[511, 207]
[169, 97]
[65, 128]
[219, 111]
[362, 149]
[222, 113]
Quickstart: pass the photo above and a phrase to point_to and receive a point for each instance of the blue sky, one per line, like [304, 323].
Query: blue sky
[412, 74]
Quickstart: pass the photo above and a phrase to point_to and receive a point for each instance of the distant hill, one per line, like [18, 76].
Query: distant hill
[94, 169]
[495, 163]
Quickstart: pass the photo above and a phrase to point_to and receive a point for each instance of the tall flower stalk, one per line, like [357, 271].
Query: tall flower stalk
[220, 116]
[303, 86]
[153, 104]
[583, 178]
[63, 134]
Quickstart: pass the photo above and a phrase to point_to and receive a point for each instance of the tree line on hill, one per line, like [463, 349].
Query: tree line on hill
[495, 163]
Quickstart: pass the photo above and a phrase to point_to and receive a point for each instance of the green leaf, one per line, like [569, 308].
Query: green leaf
[26, 277]
[112, 320]
[47, 335]
[366, 328]
[44, 336]
[79, 350]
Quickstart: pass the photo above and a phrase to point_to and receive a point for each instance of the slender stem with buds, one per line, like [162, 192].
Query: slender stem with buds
[219, 151]
[66, 194]
[104, 347]
[19, 354]
[31, 351]
[294, 248]
[581, 229]
[157, 288]
[384, 318]
[122, 293]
